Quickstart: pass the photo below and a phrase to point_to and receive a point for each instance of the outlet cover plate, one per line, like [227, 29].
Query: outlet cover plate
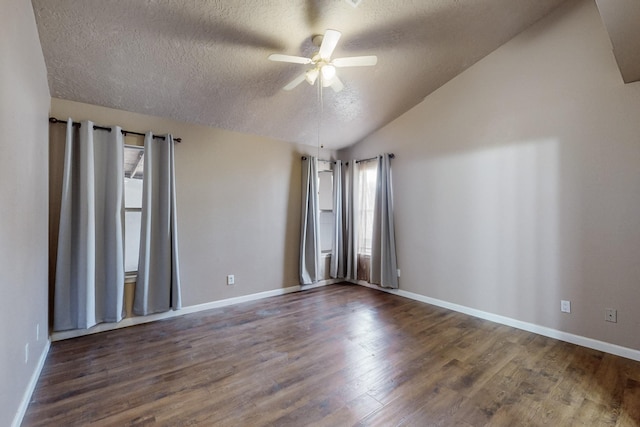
[565, 306]
[231, 279]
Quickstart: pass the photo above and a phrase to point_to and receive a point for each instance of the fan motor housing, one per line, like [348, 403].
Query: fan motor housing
[317, 39]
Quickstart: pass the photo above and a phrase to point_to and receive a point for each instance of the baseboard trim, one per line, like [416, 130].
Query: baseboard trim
[580, 340]
[31, 386]
[138, 320]
[321, 283]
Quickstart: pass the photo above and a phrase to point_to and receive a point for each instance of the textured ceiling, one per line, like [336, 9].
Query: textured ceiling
[206, 62]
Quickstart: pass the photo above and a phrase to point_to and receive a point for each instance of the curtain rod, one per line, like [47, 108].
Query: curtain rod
[391, 156]
[124, 132]
[320, 160]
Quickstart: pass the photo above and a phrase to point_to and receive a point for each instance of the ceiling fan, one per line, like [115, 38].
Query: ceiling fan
[323, 66]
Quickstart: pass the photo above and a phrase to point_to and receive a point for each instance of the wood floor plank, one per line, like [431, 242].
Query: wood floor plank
[334, 356]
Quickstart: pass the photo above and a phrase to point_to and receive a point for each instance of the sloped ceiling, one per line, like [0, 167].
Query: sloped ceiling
[622, 20]
[205, 62]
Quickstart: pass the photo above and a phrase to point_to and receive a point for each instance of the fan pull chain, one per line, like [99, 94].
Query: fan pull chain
[320, 111]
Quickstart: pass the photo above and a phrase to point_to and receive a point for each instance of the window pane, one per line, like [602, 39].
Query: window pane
[325, 190]
[132, 193]
[133, 173]
[367, 197]
[132, 221]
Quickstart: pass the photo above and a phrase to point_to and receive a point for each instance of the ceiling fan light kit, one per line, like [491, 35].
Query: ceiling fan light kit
[328, 71]
[312, 75]
[323, 66]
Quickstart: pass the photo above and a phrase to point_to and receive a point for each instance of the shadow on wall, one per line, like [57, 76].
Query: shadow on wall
[491, 221]
[57, 137]
[291, 251]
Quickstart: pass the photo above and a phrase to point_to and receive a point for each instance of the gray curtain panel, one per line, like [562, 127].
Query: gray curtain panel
[351, 226]
[89, 283]
[158, 282]
[384, 265]
[310, 227]
[337, 267]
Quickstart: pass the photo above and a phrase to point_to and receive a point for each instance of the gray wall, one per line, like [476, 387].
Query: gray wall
[517, 184]
[238, 200]
[24, 105]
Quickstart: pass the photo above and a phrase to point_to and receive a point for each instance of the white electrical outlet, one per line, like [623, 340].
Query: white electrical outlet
[38, 332]
[231, 279]
[565, 306]
[398, 272]
[26, 353]
[611, 315]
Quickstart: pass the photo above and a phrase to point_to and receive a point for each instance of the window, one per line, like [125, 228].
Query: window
[367, 175]
[325, 190]
[133, 173]
[325, 205]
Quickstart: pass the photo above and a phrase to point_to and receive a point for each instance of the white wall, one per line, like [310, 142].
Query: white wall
[238, 201]
[517, 184]
[24, 105]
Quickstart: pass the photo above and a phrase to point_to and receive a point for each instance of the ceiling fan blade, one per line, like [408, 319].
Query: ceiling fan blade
[289, 58]
[295, 82]
[337, 84]
[355, 61]
[329, 42]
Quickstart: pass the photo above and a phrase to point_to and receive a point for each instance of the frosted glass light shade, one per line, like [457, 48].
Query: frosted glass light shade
[328, 72]
[312, 75]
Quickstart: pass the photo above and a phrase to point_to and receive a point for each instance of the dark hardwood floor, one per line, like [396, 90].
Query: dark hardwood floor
[334, 356]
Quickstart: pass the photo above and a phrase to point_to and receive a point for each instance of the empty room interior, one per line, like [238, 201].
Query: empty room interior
[320, 212]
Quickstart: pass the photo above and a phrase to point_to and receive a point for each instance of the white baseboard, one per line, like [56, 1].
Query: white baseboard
[31, 386]
[234, 300]
[138, 320]
[321, 283]
[606, 347]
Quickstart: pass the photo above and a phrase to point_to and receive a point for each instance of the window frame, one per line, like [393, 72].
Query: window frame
[126, 209]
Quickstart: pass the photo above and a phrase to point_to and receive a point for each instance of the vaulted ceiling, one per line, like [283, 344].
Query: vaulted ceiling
[622, 20]
[205, 62]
